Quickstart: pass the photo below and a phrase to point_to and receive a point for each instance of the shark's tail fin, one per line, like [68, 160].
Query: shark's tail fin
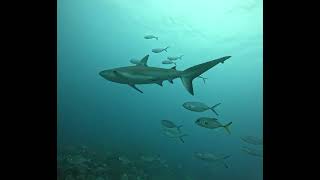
[180, 57]
[189, 74]
[157, 38]
[165, 49]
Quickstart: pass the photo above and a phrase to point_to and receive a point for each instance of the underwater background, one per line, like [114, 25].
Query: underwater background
[114, 120]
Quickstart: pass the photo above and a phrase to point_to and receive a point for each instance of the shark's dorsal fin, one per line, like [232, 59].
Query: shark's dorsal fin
[174, 67]
[143, 61]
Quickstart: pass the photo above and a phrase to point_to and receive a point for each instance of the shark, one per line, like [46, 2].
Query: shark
[141, 73]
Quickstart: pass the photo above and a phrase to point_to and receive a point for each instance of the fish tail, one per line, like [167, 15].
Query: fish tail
[189, 74]
[227, 127]
[181, 56]
[213, 110]
[165, 49]
[180, 137]
[157, 38]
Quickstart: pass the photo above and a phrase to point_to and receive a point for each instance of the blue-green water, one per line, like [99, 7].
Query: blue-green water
[95, 35]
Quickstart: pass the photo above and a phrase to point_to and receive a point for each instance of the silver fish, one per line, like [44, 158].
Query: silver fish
[252, 140]
[169, 124]
[199, 107]
[253, 152]
[159, 50]
[151, 37]
[173, 133]
[135, 61]
[174, 58]
[212, 123]
[168, 62]
[209, 157]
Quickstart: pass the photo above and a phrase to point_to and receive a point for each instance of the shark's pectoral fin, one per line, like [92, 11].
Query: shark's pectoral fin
[134, 87]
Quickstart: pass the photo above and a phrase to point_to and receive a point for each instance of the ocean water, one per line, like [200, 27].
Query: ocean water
[104, 117]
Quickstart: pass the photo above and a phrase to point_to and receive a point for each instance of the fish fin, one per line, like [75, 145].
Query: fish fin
[165, 49]
[157, 38]
[134, 87]
[144, 61]
[189, 74]
[181, 56]
[226, 127]
[174, 67]
[171, 81]
[213, 110]
[180, 137]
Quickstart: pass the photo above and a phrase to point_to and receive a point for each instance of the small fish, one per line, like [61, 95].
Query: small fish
[212, 123]
[168, 62]
[209, 157]
[135, 61]
[159, 50]
[174, 58]
[252, 140]
[253, 152]
[124, 160]
[169, 124]
[151, 37]
[199, 107]
[203, 78]
[149, 158]
[173, 133]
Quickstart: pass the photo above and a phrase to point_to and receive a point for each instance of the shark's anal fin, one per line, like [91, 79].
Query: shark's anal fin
[134, 87]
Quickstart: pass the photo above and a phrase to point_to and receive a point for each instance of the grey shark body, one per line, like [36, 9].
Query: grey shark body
[143, 74]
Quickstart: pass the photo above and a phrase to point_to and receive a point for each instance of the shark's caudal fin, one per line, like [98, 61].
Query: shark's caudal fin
[213, 110]
[143, 61]
[157, 38]
[180, 57]
[189, 74]
[165, 49]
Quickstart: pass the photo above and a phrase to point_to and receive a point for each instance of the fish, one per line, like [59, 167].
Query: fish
[151, 37]
[200, 107]
[212, 123]
[124, 160]
[169, 124]
[252, 152]
[252, 140]
[203, 78]
[209, 157]
[159, 50]
[135, 61]
[169, 62]
[173, 133]
[149, 158]
[144, 74]
[174, 58]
